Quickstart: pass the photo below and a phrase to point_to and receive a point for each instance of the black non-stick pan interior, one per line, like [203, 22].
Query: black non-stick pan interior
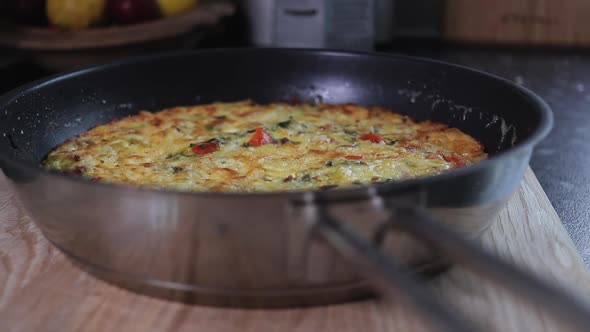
[36, 118]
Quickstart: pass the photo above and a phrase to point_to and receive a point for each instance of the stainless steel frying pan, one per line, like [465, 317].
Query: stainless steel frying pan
[288, 248]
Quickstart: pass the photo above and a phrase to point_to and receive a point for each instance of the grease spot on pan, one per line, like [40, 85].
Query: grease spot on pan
[11, 142]
[413, 95]
[494, 120]
[125, 105]
[508, 132]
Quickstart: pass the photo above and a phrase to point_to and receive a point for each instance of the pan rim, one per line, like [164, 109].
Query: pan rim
[541, 107]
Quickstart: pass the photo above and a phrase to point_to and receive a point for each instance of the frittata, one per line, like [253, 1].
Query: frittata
[248, 147]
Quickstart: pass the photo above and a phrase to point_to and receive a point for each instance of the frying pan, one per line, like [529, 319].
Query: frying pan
[286, 248]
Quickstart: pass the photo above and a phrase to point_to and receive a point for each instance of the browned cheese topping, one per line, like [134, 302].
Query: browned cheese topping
[247, 147]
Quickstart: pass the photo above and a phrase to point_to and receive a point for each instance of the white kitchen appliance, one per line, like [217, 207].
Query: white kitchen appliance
[342, 24]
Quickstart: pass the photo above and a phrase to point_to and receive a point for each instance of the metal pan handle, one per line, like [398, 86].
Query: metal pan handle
[391, 278]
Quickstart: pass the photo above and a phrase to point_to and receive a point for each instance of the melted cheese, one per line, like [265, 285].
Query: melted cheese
[311, 146]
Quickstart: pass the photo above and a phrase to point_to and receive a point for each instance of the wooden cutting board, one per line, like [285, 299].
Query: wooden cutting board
[42, 291]
[534, 22]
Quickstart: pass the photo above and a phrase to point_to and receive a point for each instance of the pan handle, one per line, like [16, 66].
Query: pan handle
[390, 277]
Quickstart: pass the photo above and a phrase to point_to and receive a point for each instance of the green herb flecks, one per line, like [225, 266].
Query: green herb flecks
[285, 124]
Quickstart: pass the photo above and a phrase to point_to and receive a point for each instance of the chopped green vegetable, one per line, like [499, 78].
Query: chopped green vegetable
[390, 141]
[284, 124]
[350, 132]
[139, 126]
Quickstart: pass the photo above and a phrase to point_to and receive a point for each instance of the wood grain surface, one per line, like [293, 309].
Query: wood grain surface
[556, 22]
[40, 290]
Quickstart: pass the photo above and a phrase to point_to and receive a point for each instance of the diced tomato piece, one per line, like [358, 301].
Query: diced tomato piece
[206, 147]
[260, 137]
[409, 145]
[354, 157]
[79, 170]
[375, 138]
[454, 159]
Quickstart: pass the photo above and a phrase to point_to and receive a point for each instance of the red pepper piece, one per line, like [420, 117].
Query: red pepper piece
[454, 159]
[354, 157]
[206, 147]
[260, 137]
[375, 138]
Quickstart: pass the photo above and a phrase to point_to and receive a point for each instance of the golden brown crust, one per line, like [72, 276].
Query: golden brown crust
[217, 147]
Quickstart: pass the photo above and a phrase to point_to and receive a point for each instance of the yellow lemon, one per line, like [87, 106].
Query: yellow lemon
[173, 7]
[75, 14]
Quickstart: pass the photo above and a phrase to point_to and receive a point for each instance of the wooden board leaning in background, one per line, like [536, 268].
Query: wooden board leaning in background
[40, 290]
[527, 22]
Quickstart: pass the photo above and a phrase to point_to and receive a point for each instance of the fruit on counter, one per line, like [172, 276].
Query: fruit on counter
[132, 11]
[173, 7]
[25, 11]
[76, 14]
[81, 14]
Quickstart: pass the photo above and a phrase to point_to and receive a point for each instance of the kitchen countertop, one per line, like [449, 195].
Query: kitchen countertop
[562, 78]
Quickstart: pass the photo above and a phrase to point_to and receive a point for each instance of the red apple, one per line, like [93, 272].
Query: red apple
[132, 11]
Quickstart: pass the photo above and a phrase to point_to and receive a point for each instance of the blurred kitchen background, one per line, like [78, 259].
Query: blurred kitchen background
[541, 44]
[66, 34]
